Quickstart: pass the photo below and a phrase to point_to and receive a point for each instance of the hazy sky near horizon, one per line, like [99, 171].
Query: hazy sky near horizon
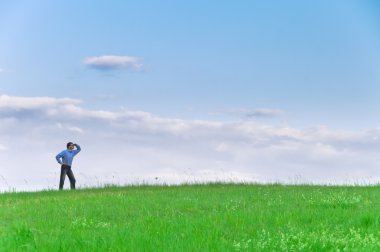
[174, 91]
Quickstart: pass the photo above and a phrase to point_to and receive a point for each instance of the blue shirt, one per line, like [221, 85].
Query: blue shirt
[66, 156]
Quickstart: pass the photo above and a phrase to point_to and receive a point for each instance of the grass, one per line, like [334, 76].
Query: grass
[212, 217]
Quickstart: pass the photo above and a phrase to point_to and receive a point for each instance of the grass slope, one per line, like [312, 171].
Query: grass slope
[215, 217]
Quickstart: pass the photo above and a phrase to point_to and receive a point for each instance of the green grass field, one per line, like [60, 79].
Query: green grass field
[214, 217]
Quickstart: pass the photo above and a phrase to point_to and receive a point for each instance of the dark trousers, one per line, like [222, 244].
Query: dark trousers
[66, 170]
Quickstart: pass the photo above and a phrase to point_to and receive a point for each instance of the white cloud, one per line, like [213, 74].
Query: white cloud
[3, 147]
[17, 103]
[139, 146]
[112, 62]
[75, 129]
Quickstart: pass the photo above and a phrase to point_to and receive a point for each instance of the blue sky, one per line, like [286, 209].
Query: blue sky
[297, 64]
[316, 61]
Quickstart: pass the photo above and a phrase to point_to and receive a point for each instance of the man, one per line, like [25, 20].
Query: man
[65, 158]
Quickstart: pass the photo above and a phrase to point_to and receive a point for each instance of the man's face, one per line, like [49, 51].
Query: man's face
[71, 147]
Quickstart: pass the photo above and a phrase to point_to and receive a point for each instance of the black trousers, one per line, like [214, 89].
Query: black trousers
[66, 170]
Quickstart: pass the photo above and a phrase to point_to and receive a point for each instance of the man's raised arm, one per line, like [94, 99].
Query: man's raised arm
[78, 149]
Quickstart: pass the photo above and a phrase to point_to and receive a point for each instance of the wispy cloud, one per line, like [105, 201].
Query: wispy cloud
[75, 129]
[113, 62]
[262, 113]
[251, 113]
[105, 97]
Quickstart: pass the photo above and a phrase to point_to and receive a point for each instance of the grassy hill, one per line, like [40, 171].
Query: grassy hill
[214, 217]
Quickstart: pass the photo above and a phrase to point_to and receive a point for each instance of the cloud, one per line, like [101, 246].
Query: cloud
[3, 147]
[34, 107]
[130, 146]
[112, 62]
[105, 97]
[263, 113]
[252, 113]
[75, 129]
[18, 103]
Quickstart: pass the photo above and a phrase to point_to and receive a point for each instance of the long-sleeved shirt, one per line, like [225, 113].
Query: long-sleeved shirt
[66, 157]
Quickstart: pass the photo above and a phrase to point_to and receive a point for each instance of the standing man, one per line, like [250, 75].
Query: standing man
[65, 158]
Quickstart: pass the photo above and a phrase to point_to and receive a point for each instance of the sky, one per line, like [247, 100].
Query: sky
[191, 91]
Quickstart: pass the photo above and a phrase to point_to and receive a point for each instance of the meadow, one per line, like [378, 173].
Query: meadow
[204, 217]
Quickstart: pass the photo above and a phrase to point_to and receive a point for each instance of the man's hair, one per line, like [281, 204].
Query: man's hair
[68, 144]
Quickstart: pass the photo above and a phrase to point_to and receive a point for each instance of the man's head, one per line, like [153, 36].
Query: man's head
[70, 146]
